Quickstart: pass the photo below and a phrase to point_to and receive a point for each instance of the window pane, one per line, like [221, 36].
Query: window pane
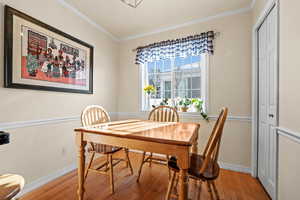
[151, 67]
[167, 94]
[196, 83]
[196, 94]
[180, 77]
[167, 65]
[159, 66]
[167, 85]
[195, 59]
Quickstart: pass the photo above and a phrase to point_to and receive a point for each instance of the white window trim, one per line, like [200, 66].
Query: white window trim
[204, 87]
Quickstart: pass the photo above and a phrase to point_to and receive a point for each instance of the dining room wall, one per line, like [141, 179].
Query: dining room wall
[229, 82]
[289, 97]
[41, 122]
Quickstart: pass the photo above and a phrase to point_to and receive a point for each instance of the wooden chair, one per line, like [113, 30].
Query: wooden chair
[93, 115]
[159, 114]
[10, 186]
[203, 167]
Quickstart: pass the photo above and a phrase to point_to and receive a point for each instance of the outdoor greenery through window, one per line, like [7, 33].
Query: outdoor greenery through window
[178, 82]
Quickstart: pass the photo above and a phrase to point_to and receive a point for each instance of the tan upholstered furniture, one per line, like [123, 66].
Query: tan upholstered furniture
[203, 167]
[158, 114]
[10, 186]
[96, 115]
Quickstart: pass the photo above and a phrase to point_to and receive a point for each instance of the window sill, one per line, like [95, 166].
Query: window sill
[181, 114]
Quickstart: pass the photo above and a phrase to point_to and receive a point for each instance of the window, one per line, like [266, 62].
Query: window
[173, 78]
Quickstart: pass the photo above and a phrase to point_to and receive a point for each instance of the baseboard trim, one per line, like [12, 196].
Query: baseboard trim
[46, 179]
[235, 167]
[223, 165]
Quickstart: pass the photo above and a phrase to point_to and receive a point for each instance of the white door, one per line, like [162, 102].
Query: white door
[267, 119]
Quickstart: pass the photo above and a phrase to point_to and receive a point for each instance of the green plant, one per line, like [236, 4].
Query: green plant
[185, 102]
[164, 102]
[199, 106]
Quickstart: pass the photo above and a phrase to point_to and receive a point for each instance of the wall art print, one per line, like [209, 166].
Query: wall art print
[38, 56]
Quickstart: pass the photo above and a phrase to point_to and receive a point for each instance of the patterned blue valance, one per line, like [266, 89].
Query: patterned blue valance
[189, 46]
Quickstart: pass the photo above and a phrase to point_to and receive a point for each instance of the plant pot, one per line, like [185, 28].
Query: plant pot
[184, 109]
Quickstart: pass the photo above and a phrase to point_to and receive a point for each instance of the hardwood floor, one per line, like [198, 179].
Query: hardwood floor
[152, 186]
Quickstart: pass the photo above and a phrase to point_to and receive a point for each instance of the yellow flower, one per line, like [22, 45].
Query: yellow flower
[149, 89]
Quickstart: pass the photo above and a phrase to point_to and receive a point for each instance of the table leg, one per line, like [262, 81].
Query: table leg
[81, 164]
[195, 146]
[183, 160]
[183, 184]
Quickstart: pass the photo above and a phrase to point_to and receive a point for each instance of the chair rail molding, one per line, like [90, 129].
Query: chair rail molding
[195, 115]
[41, 122]
[292, 135]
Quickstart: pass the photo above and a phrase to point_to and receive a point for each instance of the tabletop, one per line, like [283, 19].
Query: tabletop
[164, 132]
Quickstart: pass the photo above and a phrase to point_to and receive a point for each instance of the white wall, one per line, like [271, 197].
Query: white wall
[38, 151]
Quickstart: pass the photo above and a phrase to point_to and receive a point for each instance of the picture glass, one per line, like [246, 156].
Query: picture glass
[46, 58]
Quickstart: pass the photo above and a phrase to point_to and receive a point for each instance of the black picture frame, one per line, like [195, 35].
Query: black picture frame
[8, 53]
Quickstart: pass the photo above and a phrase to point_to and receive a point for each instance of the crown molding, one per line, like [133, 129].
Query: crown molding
[192, 22]
[87, 19]
[252, 4]
[196, 21]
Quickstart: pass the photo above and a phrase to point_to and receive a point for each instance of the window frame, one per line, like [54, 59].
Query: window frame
[204, 64]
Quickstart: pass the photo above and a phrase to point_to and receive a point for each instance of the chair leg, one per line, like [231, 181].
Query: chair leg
[209, 190]
[215, 190]
[89, 165]
[141, 166]
[111, 174]
[199, 191]
[150, 162]
[128, 163]
[167, 157]
[170, 186]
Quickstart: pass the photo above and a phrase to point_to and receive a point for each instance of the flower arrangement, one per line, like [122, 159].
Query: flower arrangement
[184, 104]
[149, 89]
[198, 103]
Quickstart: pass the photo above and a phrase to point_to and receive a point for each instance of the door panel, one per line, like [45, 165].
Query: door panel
[267, 120]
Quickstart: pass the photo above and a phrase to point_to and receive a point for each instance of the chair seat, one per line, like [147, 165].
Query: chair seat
[211, 173]
[10, 185]
[102, 148]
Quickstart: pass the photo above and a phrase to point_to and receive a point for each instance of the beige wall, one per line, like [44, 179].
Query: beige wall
[41, 150]
[258, 8]
[289, 98]
[229, 79]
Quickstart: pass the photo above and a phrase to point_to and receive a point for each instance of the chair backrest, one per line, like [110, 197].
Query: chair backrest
[164, 114]
[211, 151]
[93, 115]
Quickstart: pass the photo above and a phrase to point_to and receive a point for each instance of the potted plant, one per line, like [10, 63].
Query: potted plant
[198, 104]
[184, 104]
[149, 90]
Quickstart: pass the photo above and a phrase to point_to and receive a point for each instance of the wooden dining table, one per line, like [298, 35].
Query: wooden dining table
[168, 138]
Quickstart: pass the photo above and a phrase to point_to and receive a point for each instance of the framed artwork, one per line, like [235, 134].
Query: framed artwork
[38, 56]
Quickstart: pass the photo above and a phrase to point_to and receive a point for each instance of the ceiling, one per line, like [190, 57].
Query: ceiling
[123, 22]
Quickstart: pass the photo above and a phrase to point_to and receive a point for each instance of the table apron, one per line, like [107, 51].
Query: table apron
[180, 151]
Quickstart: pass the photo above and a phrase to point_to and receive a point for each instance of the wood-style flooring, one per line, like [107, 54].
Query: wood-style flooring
[153, 185]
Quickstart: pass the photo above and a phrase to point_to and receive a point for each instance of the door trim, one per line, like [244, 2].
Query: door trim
[272, 4]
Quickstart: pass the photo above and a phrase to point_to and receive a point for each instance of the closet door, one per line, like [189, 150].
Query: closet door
[267, 120]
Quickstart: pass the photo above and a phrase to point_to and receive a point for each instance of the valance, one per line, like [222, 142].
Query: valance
[189, 46]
